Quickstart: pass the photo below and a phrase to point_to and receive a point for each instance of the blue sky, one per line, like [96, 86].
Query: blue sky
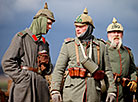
[16, 15]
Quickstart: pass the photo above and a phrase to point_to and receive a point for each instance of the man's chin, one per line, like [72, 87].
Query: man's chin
[116, 43]
[116, 40]
[78, 35]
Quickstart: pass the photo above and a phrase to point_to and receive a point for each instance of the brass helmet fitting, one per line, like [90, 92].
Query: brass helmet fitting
[83, 19]
[45, 12]
[115, 26]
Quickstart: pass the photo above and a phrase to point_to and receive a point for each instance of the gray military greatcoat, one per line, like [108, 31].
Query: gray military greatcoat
[27, 86]
[80, 89]
[122, 63]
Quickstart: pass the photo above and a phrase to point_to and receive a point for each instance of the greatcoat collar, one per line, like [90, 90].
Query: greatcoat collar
[33, 36]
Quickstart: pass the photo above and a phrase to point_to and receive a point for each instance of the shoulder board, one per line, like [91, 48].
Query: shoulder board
[97, 44]
[21, 34]
[127, 48]
[69, 40]
[102, 40]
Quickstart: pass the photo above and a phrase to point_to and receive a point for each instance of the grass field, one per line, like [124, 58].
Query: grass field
[4, 82]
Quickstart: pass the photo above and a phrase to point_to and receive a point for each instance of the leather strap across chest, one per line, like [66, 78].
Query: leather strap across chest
[90, 53]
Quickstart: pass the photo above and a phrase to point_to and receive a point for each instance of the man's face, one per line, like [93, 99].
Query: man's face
[80, 29]
[115, 35]
[49, 25]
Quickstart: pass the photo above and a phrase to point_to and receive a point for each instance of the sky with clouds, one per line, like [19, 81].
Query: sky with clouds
[16, 15]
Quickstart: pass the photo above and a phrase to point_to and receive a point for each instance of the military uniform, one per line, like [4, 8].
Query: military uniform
[23, 52]
[81, 89]
[21, 62]
[122, 63]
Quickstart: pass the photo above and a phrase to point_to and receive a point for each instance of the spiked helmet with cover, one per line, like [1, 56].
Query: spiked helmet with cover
[114, 26]
[45, 12]
[84, 19]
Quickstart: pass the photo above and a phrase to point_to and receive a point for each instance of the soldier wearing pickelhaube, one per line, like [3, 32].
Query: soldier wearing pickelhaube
[27, 60]
[122, 63]
[86, 60]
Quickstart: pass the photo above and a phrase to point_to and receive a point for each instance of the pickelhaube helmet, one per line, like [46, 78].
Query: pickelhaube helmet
[45, 12]
[115, 26]
[84, 19]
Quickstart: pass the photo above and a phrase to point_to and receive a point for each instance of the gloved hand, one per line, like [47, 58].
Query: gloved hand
[110, 97]
[133, 86]
[56, 96]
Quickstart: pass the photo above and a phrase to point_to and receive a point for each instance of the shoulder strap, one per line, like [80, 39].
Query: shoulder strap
[98, 54]
[102, 40]
[21, 34]
[128, 49]
[77, 53]
[69, 40]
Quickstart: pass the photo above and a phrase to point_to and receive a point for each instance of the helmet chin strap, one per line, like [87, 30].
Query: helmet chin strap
[87, 34]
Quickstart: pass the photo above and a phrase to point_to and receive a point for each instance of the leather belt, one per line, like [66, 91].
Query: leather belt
[78, 72]
[30, 69]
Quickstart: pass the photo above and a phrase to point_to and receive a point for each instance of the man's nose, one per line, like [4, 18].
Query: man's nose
[77, 28]
[116, 33]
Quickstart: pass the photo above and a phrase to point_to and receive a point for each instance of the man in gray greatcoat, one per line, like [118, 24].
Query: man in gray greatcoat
[86, 59]
[23, 63]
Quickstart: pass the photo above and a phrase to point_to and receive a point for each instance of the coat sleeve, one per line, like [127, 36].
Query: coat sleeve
[108, 72]
[12, 59]
[59, 69]
[132, 68]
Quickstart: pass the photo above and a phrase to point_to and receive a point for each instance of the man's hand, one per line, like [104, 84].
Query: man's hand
[42, 60]
[110, 97]
[133, 86]
[56, 96]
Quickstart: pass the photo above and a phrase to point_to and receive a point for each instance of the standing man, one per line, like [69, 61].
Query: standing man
[27, 60]
[86, 60]
[122, 63]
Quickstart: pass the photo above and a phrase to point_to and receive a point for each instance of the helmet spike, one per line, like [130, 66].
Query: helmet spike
[114, 26]
[114, 20]
[46, 6]
[85, 11]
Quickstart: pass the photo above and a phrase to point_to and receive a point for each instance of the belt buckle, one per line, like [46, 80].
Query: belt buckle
[88, 74]
[24, 67]
[118, 79]
[39, 71]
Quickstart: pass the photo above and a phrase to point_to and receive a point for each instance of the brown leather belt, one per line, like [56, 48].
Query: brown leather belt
[78, 72]
[30, 69]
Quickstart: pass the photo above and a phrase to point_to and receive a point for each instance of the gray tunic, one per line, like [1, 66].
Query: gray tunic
[27, 86]
[78, 89]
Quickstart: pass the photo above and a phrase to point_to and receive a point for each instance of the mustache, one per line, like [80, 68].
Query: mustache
[114, 45]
